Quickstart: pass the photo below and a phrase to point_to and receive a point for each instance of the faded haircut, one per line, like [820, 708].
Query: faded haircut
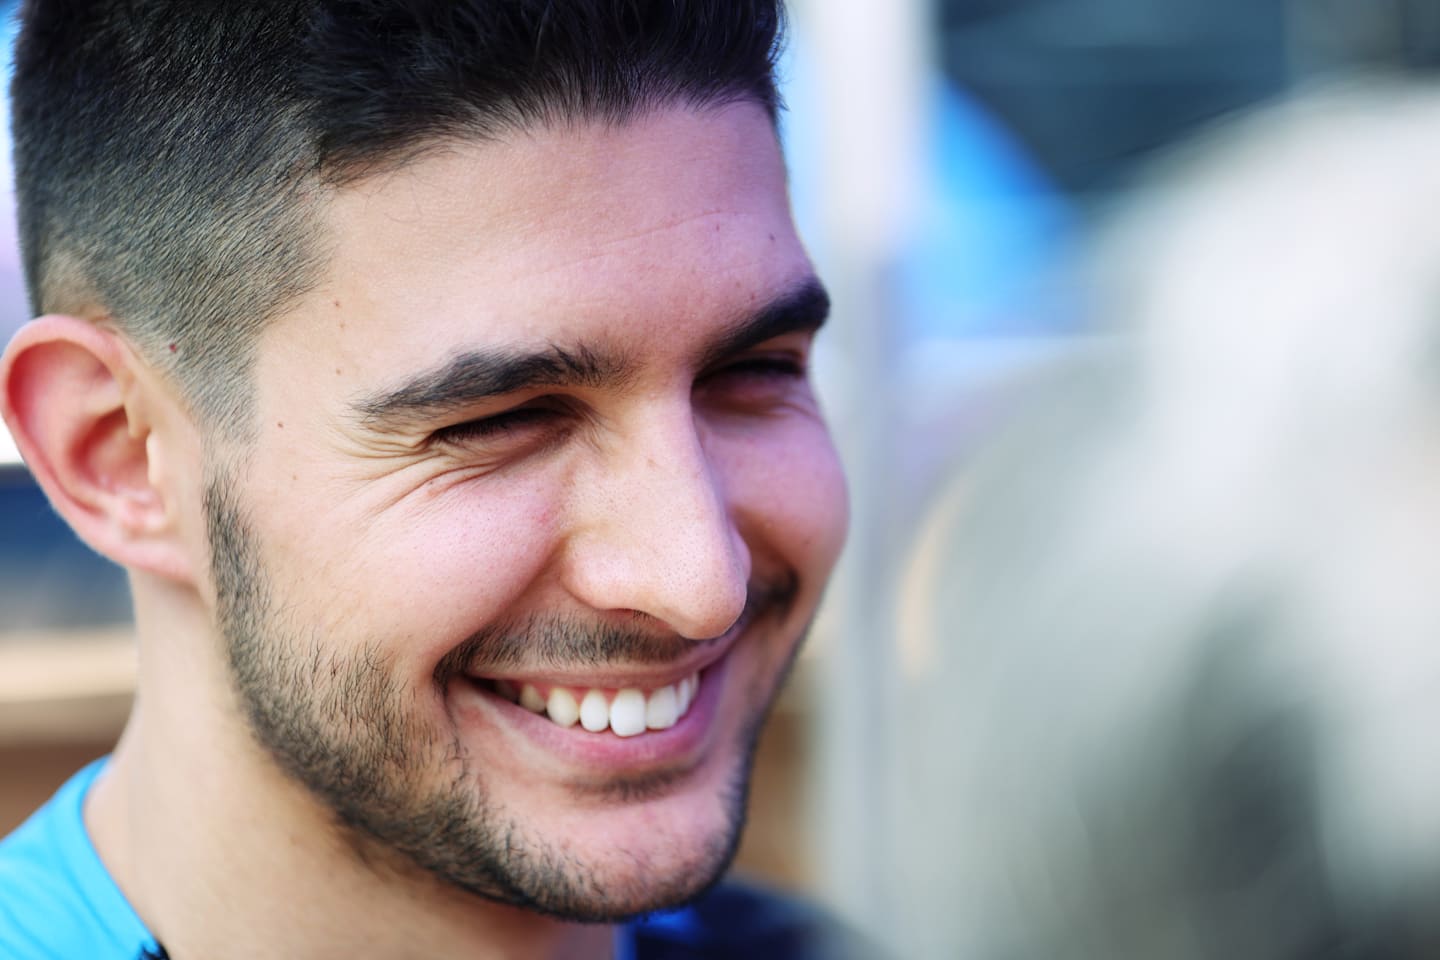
[171, 155]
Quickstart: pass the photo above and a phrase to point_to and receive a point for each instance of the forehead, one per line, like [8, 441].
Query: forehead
[644, 232]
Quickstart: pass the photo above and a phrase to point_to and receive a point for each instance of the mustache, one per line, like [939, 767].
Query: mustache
[564, 641]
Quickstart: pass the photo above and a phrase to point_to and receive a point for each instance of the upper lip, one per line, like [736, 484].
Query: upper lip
[619, 676]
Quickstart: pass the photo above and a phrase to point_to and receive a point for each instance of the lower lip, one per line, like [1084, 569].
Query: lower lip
[578, 746]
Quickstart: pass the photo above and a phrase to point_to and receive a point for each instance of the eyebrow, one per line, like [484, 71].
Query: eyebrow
[475, 376]
[803, 308]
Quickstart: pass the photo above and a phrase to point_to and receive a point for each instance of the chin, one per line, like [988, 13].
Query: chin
[642, 845]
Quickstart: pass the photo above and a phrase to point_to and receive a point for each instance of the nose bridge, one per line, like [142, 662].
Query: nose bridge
[661, 539]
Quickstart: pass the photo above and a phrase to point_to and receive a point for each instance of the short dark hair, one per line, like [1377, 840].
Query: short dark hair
[170, 154]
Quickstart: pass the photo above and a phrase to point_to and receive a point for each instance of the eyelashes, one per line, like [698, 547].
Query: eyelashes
[508, 425]
[780, 365]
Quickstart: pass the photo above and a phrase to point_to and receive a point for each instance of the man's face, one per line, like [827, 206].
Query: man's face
[547, 425]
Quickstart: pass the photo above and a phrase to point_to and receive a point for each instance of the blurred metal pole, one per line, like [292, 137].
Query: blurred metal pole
[873, 61]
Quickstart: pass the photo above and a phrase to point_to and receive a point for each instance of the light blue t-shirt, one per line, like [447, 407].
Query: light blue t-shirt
[57, 901]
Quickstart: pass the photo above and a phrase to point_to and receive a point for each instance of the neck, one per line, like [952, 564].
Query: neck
[222, 855]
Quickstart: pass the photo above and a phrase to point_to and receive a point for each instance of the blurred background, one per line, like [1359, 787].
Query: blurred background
[959, 168]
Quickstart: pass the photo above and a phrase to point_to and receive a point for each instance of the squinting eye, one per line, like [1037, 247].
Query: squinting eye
[757, 383]
[512, 423]
[765, 365]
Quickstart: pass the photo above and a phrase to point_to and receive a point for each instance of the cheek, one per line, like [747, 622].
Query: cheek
[790, 486]
[430, 571]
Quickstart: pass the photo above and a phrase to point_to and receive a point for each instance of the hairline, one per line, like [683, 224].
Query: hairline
[500, 128]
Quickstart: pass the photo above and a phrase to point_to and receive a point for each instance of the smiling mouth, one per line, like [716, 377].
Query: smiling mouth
[625, 712]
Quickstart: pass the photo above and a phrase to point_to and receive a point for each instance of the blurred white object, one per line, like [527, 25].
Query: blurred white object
[1174, 639]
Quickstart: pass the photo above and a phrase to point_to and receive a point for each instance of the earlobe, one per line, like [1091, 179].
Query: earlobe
[69, 394]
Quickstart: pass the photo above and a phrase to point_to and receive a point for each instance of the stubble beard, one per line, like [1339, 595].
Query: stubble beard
[403, 794]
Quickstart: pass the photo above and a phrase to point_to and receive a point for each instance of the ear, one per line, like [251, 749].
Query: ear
[75, 397]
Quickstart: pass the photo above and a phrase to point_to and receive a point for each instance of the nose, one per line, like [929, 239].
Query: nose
[652, 531]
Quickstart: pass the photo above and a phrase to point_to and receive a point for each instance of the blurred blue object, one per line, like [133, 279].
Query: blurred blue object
[991, 226]
[48, 578]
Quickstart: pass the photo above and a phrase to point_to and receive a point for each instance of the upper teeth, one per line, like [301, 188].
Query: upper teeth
[629, 712]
